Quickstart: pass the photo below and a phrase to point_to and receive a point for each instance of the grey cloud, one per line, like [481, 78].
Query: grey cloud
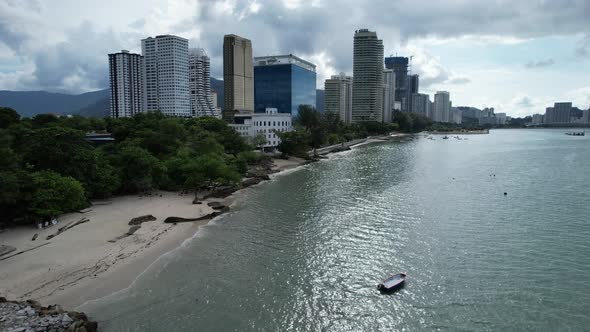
[539, 64]
[79, 64]
[583, 49]
[524, 101]
[459, 80]
[303, 31]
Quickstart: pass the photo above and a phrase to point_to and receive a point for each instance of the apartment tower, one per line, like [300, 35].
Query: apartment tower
[126, 72]
[200, 83]
[338, 96]
[367, 92]
[166, 75]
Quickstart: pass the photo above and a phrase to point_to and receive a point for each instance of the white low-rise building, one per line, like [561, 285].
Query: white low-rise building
[250, 125]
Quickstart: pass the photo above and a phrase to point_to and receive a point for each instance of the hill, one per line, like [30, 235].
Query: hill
[90, 104]
[31, 103]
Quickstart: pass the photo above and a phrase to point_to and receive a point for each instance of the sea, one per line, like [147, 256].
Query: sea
[492, 230]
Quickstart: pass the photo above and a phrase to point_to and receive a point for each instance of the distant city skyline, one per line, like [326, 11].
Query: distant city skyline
[494, 58]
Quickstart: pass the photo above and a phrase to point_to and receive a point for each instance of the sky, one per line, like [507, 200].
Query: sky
[516, 56]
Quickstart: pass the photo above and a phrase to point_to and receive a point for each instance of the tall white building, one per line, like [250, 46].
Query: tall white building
[166, 75]
[388, 94]
[442, 106]
[250, 125]
[126, 72]
[367, 91]
[338, 96]
[200, 83]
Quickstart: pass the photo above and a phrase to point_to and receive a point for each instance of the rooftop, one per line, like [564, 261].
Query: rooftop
[272, 60]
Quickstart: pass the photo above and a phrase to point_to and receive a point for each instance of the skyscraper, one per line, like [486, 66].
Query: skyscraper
[412, 83]
[388, 94]
[238, 75]
[166, 77]
[421, 104]
[399, 65]
[563, 112]
[283, 82]
[338, 96]
[126, 81]
[367, 91]
[200, 83]
[442, 106]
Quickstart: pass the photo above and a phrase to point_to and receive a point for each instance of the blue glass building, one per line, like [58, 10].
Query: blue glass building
[283, 82]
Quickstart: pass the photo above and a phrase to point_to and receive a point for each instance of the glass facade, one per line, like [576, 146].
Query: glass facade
[284, 87]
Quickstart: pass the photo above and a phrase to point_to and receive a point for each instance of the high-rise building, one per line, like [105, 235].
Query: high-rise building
[166, 77]
[338, 96]
[421, 104]
[562, 112]
[284, 82]
[200, 83]
[442, 106]
[388, 95]
[399, 65]
[238, 76]
[412, 83]
[549, 115]
[367, 90]
[126, 81]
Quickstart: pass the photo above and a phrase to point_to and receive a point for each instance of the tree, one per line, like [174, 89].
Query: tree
[42, 120]
[259, 140]
[294, 143]
[8, 116]
[308, 117]
[139, 170]
[54, 194]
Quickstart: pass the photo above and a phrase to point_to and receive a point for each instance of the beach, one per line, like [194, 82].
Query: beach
[96, 258]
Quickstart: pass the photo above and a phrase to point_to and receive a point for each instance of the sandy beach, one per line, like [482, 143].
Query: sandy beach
[85, 262]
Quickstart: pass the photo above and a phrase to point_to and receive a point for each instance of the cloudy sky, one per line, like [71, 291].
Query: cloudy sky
[517, 56]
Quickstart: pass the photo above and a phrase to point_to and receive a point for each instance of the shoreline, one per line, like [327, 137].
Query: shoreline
[96, 259]
[81, 265]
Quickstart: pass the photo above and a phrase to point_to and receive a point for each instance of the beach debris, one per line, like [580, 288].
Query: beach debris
[23, 251]
[141, 219]
[221, 192]
[35, 237]
[133, 229]
[6, 249]
[69, 225]
[215, 205]
[173, 220]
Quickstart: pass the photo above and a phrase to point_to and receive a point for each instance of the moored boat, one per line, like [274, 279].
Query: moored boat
[573, 133]
[392, 283]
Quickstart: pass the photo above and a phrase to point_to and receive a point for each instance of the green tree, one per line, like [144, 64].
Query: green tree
[54, 194]
[8, 116]
[139, 170]
[294, 143]
[258, 141]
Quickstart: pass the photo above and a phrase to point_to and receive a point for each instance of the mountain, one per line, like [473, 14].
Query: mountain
[319, 100]
[90, 104]
[31, 103]
[217, 86]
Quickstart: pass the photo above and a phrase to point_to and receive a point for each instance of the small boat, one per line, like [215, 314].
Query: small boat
[392, 283]
[446, 137]
[580, 133]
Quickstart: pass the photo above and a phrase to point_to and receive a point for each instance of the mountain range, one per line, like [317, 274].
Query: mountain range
[90, 104]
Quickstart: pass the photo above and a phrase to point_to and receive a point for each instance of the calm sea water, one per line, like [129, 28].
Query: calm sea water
[305, 251]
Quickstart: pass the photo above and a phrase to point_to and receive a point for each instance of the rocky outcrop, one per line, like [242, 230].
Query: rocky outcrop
[141, 219]
[221, 192]
[25, 316]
